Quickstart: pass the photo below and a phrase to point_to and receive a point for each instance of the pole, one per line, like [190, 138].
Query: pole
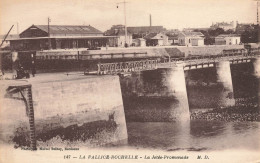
[257, 14]
[257, 21]
[17, 28]
[150, 20]
[125, 25]
[125, 19]
[49, 39]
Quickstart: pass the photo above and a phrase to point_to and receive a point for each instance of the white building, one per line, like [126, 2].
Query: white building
[119, 31]
[229, 39]
[224, 25]
[191, 39]
[156, 39]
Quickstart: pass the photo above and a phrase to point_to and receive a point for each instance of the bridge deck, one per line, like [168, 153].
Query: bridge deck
[187, 63]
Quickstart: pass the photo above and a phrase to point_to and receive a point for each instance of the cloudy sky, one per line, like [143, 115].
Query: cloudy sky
[102, 14]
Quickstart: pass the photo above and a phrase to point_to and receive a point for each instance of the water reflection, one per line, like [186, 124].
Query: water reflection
[201, 129]
[195, 135]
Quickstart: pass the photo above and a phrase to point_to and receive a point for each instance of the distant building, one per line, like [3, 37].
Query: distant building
[191, 39]
[230, 39]
[139, 42]
[156, 39]
[119, 32]
[195, 29]
[224, 25]
[40, 37]
[141, 31]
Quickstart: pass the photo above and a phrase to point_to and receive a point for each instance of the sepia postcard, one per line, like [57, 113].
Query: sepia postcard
[129, 81]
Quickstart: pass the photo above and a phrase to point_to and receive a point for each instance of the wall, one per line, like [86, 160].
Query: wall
[121, 40]
[61, 101]
[200, 42]
[160, 42]
[220, 41]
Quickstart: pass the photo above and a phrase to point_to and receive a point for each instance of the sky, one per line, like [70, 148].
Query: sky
[102, 14]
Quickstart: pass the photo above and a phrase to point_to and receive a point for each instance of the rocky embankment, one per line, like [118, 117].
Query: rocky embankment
[249, 111]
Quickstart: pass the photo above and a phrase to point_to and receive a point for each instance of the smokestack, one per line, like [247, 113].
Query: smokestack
[150, 20]
[17, 27]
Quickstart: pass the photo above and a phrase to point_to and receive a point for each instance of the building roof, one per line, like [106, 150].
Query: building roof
[192, 34]
[146, 29]
[155, 36]
[68, 29]
[227, 35]
[62, 37]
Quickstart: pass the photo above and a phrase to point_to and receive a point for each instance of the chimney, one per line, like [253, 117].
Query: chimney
[150, 20]
[17, 27]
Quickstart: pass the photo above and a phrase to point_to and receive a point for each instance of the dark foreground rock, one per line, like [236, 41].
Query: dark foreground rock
[230, 114]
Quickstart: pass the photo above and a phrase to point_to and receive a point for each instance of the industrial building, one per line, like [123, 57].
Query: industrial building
[191, 39]
[43, 37]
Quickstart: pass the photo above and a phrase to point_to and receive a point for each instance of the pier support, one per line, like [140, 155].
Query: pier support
[15, 63]
[177, 88]
[256, 63]
[225, 79]
[257, 75]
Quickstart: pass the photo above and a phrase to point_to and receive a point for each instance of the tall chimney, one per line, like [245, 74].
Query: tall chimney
[17, 27]
[150, 20]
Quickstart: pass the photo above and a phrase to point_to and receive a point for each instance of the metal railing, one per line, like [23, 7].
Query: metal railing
[234, 56]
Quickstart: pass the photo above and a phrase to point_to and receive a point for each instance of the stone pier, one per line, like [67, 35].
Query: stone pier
[210, 87]
[225, 79]
[156, 95]
[177, 88]
[256, 63]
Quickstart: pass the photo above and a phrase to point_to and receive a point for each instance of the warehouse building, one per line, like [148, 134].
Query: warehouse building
[43, 37]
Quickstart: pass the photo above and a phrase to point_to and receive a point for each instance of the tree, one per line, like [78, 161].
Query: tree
[249, 36]
[216, 32]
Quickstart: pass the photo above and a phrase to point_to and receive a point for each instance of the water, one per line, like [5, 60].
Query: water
[149, 125]
[195, 135]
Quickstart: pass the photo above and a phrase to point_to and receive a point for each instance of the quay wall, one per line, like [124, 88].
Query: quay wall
[67, 101]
